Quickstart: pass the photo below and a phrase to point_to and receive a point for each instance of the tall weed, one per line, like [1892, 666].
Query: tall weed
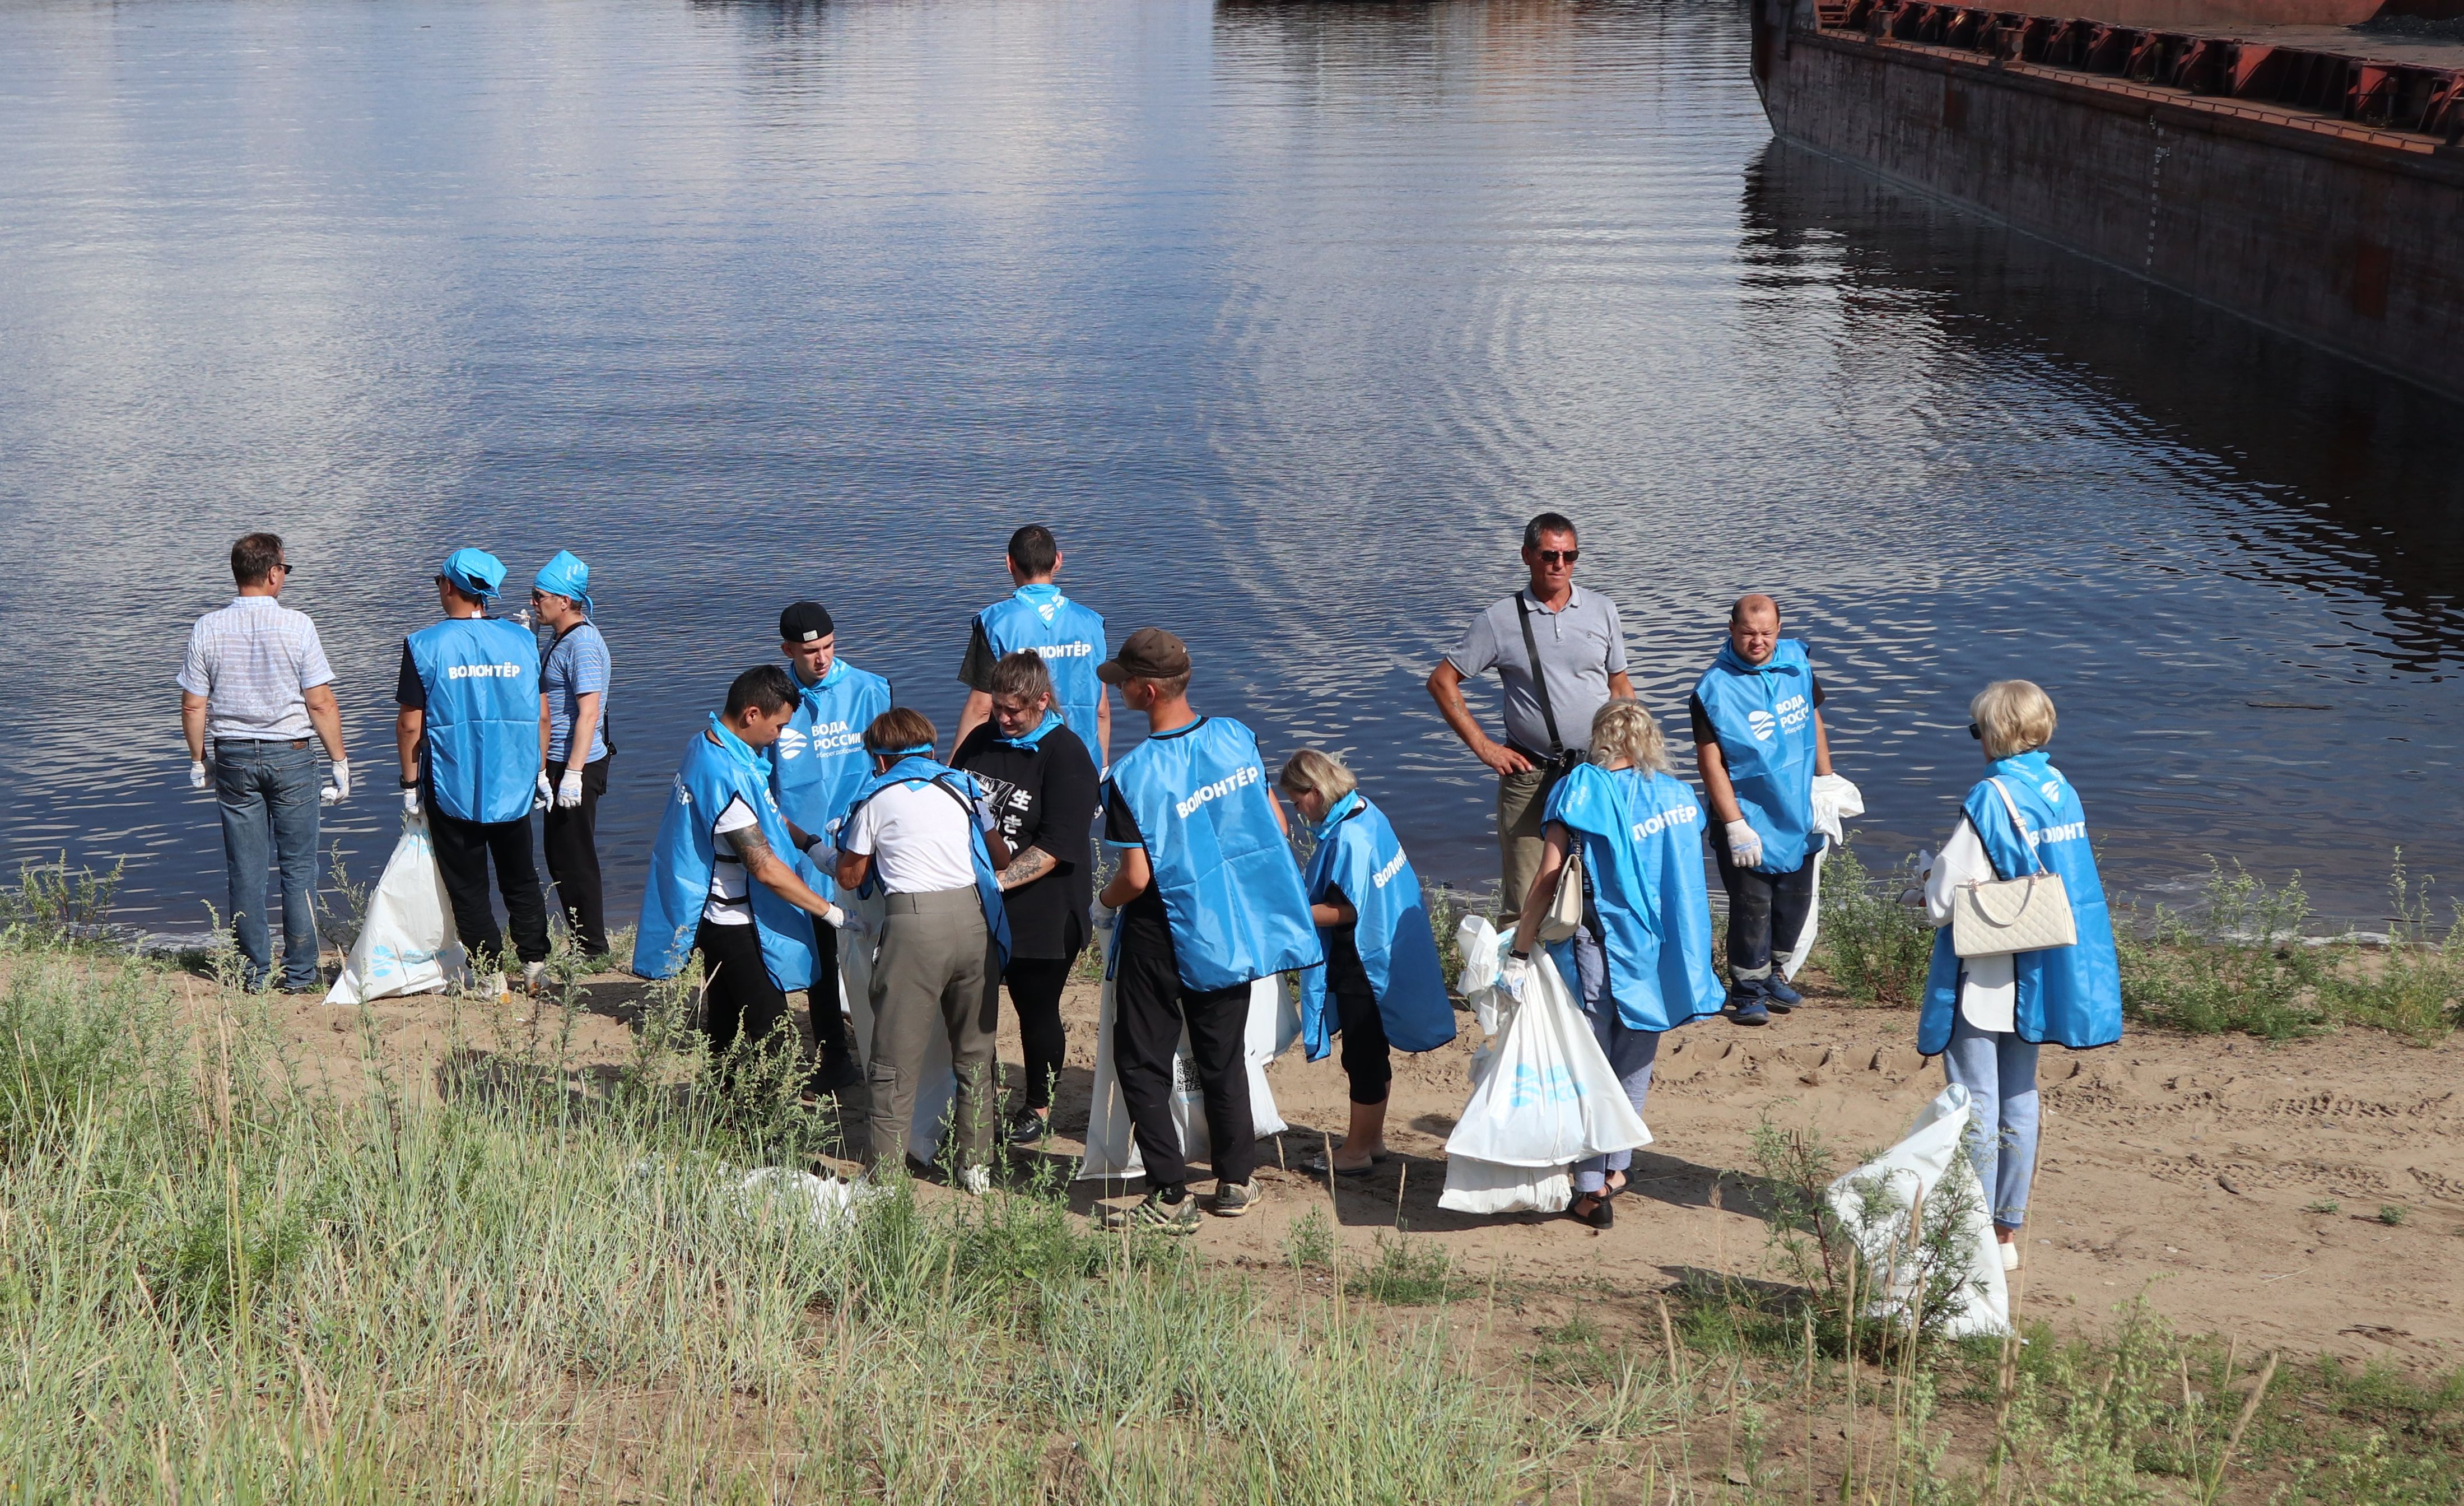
[1875, 948]
[2240, 965]
[2413, 986]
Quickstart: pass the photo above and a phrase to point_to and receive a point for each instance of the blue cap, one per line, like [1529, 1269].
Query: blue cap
[474, 572]
[566, 575]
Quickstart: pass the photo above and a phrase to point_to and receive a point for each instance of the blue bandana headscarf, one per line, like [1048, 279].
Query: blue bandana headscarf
[566, 575]
[474, 572]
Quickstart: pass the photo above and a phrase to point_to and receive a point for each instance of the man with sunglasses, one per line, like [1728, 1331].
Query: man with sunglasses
[574, 678]
[1560, 654]
[256, 683]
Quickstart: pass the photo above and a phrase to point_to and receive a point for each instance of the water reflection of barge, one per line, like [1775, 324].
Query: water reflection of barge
[2277, 170]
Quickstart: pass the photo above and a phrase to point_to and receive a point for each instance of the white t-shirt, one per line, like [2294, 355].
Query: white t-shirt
[730, 901]
[1989, 993]
[916, 835]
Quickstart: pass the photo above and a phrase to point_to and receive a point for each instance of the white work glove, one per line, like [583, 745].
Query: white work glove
[546, 793]
[410, 800]
[1914, 896]
[1103, 916]
[1745, 846]
[568, 790]
[196, 773]
[836, 917]
[1513, 973]
[339, 789]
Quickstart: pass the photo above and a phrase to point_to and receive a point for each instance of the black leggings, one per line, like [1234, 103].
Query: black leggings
[1367, 1059]
[1035, 984]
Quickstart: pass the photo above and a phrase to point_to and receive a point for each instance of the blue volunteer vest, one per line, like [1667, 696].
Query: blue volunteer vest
[1226, 876]
[1397, 951]
[1763, 713]
[712, 775]
[2070, 995]
[1641, 842]
[918, 768]
[819, 761]
[481, 677]
[1069, 639]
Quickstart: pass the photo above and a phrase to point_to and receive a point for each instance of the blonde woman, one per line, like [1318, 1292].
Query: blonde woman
[1381, 959]
[1985, 1016]
[1642, 958]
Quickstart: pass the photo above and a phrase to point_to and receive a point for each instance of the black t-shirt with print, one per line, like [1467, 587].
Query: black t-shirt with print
[1047, 799]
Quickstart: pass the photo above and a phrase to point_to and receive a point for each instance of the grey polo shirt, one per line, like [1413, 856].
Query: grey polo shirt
[1580, 647]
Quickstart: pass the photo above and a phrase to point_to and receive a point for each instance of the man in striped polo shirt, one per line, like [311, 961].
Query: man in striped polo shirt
[253, 688]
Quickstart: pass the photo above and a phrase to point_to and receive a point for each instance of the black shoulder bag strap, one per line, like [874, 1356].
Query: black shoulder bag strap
[1539, 678]
[606, 728]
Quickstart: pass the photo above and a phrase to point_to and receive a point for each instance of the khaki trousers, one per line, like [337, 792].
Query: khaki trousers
[1521, 799]
[937, 970]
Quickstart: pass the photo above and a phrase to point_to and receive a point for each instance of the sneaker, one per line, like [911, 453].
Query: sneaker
[534, 976]
[1152, 1211]
[835, 1072]
[1025, 1127]
[1748, 1010]
[976, 1181]
[1232, 1199]
[1779, 996]
[2011, 1255]
[494, 988]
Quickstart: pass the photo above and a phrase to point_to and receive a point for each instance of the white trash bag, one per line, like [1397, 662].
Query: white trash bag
[1543, 1092]
[1916, 1171]
[939, 1088]
[1835, 800]
[406, 943]
[1112, 1148]
[827, 1203]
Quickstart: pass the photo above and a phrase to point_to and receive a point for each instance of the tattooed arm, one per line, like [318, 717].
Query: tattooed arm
[764, 867]
[1029, 865]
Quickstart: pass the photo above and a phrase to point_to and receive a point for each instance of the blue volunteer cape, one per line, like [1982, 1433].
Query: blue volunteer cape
[1358, 853]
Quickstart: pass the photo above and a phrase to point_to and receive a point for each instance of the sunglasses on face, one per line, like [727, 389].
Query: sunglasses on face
[1977, 732]
[1555, 556]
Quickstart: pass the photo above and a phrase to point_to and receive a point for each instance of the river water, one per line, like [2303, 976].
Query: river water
[1283, 316]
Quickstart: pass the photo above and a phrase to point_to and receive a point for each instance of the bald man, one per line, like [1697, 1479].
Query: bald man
[1759, 742]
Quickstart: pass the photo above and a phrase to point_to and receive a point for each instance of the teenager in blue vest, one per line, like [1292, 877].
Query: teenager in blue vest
[472, 739]
[1985, 1016]
[1069, 637]
[817, 765]
[1640, 962]
[1207, 900]
[1381, 960]
[730, 877]
[1759, 742]
[926, 836]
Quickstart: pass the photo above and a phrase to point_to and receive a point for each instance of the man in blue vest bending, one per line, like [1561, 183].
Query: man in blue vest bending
[1209, 900]
[817, 766]
[473, 733]
[1066, 636]
[1759, 742]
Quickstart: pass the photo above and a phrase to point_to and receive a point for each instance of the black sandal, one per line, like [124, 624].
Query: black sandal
[1601, 1214]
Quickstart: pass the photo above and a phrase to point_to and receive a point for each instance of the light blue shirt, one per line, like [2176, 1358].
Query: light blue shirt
[577, 666]
[252, 660]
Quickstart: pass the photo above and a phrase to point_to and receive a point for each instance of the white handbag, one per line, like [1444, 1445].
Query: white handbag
[2026, 914]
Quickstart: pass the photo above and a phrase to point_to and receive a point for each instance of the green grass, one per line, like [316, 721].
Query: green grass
[1873, 947]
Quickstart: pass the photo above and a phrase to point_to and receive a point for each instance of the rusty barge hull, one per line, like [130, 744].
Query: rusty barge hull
[2336, 216]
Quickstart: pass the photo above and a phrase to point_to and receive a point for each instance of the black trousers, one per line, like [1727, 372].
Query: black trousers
[463, 851]
[1766, 911]
[821, 999]
[737, 996]
[1149, 1006]
[571, 838]
[1368, 1061]
[1035, 984]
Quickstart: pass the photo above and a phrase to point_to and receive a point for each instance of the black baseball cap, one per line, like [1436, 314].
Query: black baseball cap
[804, 622]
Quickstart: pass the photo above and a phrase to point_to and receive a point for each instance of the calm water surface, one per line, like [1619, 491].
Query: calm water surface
[1283, 316]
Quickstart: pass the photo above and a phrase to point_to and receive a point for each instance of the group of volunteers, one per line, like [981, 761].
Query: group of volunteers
[814, 837]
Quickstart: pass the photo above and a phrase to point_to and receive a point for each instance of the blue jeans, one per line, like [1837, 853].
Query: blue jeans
[1630, 1052]
[1999, 1072]
[268, 794]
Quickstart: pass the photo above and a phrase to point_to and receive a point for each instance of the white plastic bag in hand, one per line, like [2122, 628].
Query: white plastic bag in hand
[1920, 1170]
[406, 943]
[1112, 1148]
[1835, 800]
[1548, 1096]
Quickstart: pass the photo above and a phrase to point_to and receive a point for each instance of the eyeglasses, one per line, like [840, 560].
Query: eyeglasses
[1555, 556]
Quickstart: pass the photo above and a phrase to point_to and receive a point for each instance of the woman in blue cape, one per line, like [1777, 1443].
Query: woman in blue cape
[1640, 962]
[1985, 1016]
[1381, 960]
